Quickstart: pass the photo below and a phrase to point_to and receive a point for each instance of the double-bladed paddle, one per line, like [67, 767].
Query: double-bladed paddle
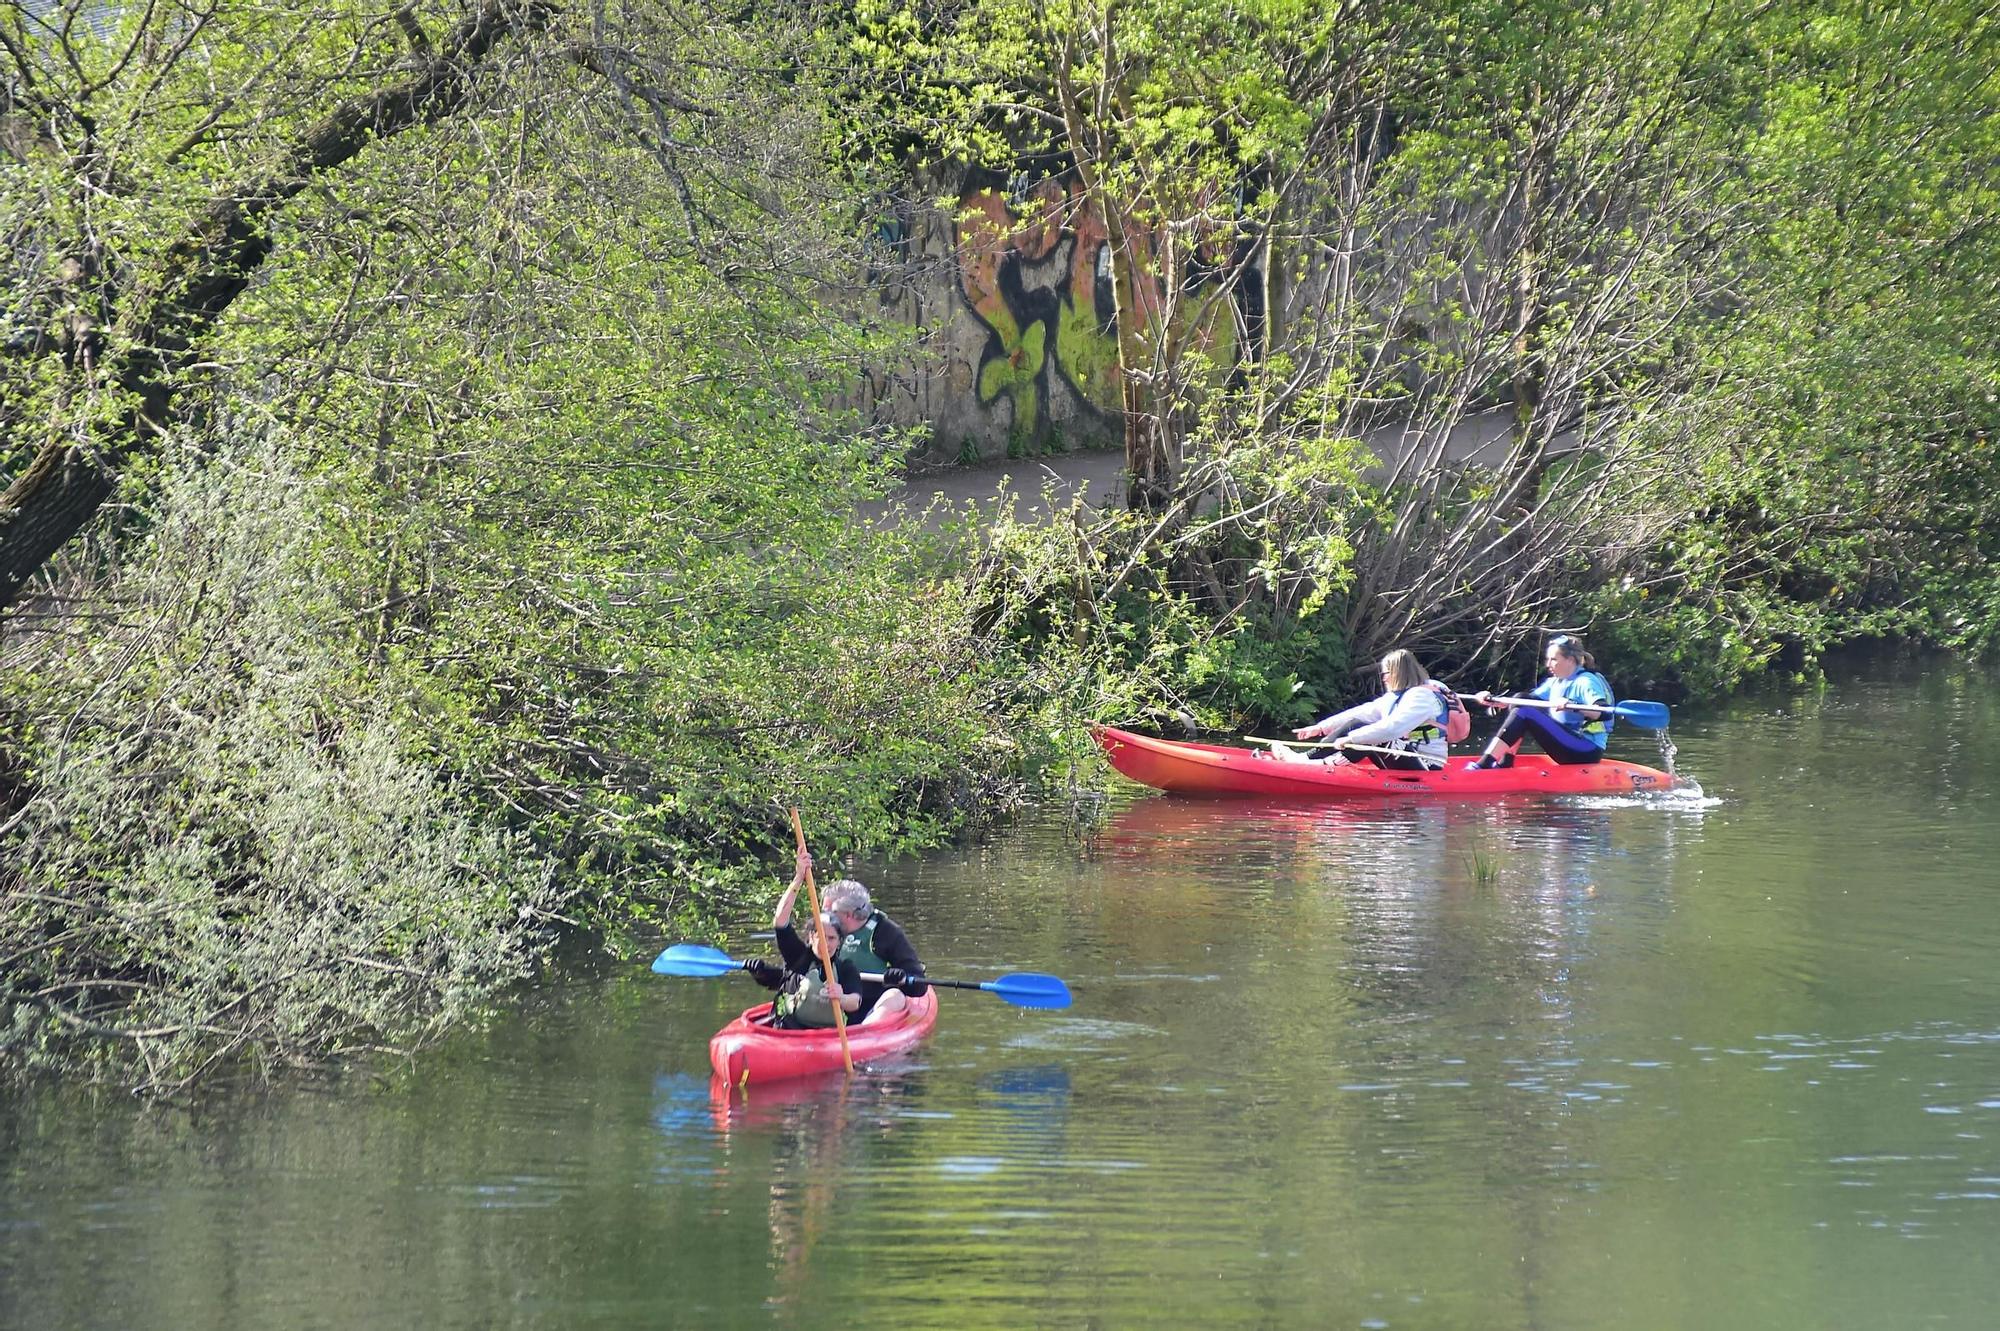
[696, 961]
[1022, 989]
[1647, 715]
[1025, 989]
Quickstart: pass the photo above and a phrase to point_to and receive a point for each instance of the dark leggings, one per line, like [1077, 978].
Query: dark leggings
[1400, 762]
[1565, 746]
[1395, 762]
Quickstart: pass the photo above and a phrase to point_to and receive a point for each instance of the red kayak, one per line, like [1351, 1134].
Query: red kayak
[747, 1051]
[1216, 770]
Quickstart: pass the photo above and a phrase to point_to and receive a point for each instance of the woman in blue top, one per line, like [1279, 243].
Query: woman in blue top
[1409, 717]
[1574, 731]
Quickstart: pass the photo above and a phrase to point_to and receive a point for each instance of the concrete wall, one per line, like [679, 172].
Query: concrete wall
[1008, 283]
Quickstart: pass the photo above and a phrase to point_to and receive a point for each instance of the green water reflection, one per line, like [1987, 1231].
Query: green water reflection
[1718, 1061]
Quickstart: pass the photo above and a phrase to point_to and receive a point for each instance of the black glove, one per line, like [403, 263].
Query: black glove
[898, 978]
[767, 973]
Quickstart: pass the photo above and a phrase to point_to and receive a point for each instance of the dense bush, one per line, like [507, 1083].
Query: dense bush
[229, 842]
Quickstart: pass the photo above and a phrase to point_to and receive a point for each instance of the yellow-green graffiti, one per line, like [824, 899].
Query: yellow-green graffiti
[1032, 266]
[1017, 373]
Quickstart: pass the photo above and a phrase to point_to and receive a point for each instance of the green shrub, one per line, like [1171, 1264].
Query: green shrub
[230, 850]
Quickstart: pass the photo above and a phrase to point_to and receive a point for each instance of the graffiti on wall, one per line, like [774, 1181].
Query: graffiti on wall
[1034, 265]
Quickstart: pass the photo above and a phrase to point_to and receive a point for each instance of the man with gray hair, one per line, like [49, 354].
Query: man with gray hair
[876, 945]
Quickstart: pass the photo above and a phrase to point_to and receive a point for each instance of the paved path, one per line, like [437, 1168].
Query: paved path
[1098, 476]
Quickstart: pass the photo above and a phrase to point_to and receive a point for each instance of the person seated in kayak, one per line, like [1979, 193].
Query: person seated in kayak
[1572, 733]
[1409, 717]
[805, 1000]
[876, 945]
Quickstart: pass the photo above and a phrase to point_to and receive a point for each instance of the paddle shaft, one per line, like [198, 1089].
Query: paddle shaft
[1359, 748]
[1022, 990]
[1554, 706]
[819, 946]
[940, 984]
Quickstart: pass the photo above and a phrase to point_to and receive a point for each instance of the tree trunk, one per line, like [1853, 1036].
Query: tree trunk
[1149, 469]
[49, 503]
[1528, 458]
[1149, 481]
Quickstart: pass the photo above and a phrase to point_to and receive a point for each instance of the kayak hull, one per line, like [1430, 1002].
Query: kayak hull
[1217, 771]
[748, 1052]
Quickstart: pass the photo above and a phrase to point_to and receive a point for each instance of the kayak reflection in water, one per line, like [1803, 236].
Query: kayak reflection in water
[1410, 717]
[1572, 733]
[876, 945]
[805, 998]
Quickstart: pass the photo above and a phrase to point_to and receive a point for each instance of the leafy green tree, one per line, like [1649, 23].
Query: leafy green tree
[235, 854]
[548, 390]
[1187, 130]
[152, 150]
[1846, 448]
[1420, 213]
[1685, 250]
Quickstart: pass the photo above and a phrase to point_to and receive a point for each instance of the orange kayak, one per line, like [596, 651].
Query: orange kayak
[747, 1051]
[1219, 770]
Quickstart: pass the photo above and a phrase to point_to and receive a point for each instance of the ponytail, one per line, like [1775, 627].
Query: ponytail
[1572, 646]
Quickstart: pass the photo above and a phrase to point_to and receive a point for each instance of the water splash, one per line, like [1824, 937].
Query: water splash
[1685, 795]
[1685, 791]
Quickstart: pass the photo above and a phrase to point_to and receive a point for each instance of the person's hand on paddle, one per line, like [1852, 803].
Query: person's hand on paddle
[1485, 699]
[1339, 759]
[845, 1000]
[801, 867]
[767, 973]
[898, 978]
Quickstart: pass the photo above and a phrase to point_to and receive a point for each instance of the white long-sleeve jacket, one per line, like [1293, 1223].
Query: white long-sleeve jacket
[1384, 721]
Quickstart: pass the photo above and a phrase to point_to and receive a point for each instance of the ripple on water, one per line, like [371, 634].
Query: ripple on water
[1078, 1034]
[970, 1166]
[511, 1194]
[1152, 976]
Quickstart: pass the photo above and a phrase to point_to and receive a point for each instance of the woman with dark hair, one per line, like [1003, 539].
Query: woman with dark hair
[1571, 731]
[806, 994]
[1410, 716]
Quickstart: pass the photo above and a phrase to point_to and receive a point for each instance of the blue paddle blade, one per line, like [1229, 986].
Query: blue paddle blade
[694, 960]
[1028, 989]
[1646, 715]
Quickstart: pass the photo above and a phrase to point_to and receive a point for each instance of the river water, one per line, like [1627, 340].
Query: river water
[1717, 1060]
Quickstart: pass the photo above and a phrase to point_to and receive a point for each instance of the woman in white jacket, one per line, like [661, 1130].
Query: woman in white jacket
[1410, 717]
